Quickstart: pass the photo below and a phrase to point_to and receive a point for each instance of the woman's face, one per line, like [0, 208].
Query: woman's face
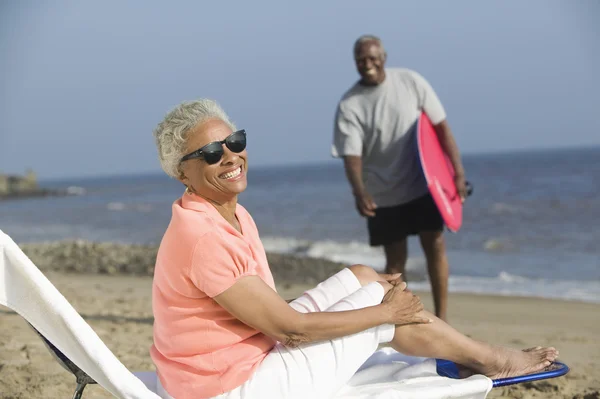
[219, 182]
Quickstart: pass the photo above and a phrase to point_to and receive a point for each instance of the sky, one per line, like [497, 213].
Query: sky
[83, 84]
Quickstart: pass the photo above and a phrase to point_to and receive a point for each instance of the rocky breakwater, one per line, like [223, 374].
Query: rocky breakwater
[86, 257]
[41, 192]
[16, 187]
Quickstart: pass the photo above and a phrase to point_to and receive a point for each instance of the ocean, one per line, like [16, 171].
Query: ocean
[529, 229]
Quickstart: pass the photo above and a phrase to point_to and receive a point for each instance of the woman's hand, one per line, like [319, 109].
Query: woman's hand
[394, 279]
[403, 306]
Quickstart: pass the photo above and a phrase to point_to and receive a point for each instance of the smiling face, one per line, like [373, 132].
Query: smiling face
[370, 61]
[222, 181]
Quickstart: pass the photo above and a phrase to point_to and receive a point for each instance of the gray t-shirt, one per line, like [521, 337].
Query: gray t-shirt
[378, 123]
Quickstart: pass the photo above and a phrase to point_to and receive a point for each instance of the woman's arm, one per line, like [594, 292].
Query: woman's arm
[254, 303]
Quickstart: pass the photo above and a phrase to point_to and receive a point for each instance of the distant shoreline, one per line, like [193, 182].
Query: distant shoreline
[42, 192]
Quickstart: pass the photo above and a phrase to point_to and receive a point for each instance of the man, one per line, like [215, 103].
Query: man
[375, 134]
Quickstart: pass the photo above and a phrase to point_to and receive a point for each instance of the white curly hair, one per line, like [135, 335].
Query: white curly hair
[171, 133]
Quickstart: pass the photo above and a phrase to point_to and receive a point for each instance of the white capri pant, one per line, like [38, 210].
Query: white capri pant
[317, 370]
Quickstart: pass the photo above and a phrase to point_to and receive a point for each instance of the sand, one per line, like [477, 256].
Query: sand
[119, 309]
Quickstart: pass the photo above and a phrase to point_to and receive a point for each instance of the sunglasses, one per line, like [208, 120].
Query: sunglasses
[213, 152]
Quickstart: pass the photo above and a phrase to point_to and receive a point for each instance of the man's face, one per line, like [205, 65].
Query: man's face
[370, 61]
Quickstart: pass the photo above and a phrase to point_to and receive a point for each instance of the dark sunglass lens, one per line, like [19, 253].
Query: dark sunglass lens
[236, 142]
[212, 153]
[212, 157]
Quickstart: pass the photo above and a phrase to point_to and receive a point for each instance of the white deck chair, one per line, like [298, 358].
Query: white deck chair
[71, 340]
[78, 348]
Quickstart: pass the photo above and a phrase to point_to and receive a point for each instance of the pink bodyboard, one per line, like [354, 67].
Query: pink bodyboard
[439, 174]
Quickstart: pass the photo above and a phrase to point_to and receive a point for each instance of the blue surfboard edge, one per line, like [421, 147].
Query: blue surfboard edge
[446, 368]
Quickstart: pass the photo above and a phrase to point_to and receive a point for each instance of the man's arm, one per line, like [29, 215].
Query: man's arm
[451, 149]
[353, 167]
[348, 144]
[364, 203]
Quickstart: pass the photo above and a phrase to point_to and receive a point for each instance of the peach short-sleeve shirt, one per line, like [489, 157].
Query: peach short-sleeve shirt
[200, 350]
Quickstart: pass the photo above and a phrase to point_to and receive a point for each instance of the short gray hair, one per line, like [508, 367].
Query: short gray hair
[365, 39]
[171, 133]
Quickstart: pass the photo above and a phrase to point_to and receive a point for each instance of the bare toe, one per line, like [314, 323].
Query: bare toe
[532, 349]
[550, 354]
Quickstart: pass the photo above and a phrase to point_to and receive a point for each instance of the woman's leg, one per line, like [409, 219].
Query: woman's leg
[440, 340]
[329, 292]
[326, 293]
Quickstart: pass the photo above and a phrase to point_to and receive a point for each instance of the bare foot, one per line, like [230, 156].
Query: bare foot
[511, 362]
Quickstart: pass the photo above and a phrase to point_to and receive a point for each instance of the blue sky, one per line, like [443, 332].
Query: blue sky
[83, 84]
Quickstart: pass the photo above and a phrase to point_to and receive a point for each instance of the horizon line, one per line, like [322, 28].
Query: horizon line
[327, 161]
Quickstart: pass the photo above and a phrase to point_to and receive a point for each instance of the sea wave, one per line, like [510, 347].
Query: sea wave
[512, 285]
[503, 283]
[120, 206]
[351, 252]
[501, 208]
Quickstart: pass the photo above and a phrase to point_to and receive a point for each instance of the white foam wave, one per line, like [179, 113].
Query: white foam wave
[76, 190]
[348, 252]
[120, 206]
[500, 208]
[511, 278]
[115, 206]
[510, 285]
[503, 283]
[498, 244]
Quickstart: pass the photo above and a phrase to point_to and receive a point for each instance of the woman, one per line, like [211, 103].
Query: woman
[221, 329]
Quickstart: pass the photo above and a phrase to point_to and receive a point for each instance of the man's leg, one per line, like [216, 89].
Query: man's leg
[386, 229]
[439, 340]
[395, 257]
[434, 248]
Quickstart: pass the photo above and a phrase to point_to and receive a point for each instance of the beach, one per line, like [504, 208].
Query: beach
[113, 295]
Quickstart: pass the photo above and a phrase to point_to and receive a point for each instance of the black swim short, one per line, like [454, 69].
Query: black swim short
[391, 224]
